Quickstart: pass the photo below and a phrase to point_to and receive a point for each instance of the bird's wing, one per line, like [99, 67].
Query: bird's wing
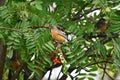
[62, 34]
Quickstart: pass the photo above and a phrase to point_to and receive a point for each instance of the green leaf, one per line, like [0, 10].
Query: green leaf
[37, 4]
[90, 78]
[92, 74]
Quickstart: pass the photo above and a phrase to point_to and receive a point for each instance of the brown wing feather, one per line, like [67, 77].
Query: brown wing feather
[58, 37]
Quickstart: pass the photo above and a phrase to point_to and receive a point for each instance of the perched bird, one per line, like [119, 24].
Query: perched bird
[58, 35]
[102, 25]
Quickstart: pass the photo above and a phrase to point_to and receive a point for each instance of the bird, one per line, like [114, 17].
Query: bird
[102, 25]
[59, 37]
[57, 34]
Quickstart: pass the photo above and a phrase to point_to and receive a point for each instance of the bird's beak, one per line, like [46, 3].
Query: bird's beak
[47, 26]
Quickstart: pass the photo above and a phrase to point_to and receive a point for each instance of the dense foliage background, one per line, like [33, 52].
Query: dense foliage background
[22, 36]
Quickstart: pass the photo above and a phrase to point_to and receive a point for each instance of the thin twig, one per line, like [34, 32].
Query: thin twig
[99, 35]
[109, 76]
[104, 69]
[18, 30]
[106, 72]
[36, 27]
[11, 29]
[87, 12]
[91, 65]
[90, 49]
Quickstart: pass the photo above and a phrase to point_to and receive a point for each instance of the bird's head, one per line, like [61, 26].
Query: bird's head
[50, 26]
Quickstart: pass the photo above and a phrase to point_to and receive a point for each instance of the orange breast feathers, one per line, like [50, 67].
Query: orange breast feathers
[103, 28]
[102, 25]
[58, 36]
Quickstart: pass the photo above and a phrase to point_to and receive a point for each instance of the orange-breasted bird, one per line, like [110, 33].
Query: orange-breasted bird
[102, 25]
[58, 35]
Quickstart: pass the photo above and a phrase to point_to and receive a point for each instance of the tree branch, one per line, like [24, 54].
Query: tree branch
[36, 27]
[3, 49]
[11, 29]
[87, 12]
[90, 49]
[110, 38]
[105, 72]
[89, 66]
[18, 30]
[104, 69]
[99, 35]
[109, 76]
[82, 8]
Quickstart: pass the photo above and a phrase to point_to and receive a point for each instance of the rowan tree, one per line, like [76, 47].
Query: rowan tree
[24, 39]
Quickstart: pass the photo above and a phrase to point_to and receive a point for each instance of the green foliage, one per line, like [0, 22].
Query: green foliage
[19, 17]
[116, 53]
